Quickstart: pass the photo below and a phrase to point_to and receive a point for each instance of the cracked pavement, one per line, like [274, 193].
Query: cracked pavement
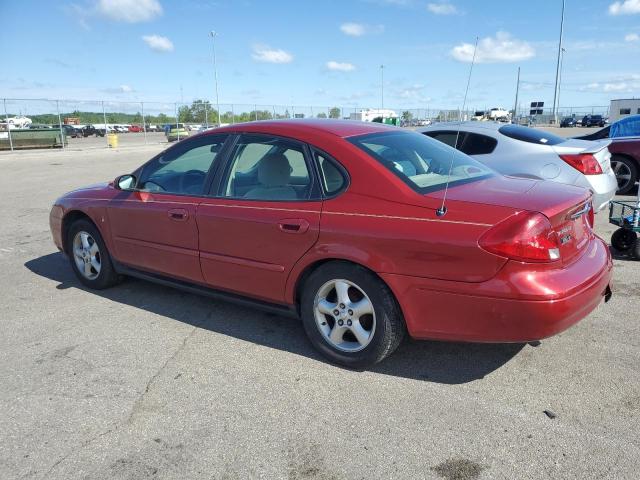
[142, 381]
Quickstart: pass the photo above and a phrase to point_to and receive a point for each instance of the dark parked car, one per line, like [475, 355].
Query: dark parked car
[624, 148]
[69, 130]
[335, 222]
[593, 121]
[91, 130]
[568, 122]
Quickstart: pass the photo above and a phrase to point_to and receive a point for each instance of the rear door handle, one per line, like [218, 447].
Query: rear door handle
[178, 214]
[293, 225]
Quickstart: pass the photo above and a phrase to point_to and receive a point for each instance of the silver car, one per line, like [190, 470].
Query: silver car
[528, 152]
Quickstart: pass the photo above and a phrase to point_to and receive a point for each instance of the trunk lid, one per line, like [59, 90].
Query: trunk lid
[564, 205]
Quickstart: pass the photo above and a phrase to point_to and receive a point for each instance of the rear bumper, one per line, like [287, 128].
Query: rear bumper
[55, 224]
[603, 187]
[522, 303]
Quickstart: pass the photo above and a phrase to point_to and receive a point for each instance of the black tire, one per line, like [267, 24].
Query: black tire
[107, 276]
[635, 250]
[632, 168]
[623, 239]
[388, 330]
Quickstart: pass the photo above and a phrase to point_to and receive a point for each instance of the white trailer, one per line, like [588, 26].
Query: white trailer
[370, 114]
[623, 107]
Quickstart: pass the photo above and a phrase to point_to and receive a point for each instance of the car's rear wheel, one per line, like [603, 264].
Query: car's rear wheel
[350, 315]
[89, 256]
[623, 239]
[626, 172]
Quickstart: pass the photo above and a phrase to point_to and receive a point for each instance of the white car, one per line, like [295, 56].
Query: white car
[533, 153]
[499, 114]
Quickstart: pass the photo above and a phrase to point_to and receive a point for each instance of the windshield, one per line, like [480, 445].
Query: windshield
[421, 162]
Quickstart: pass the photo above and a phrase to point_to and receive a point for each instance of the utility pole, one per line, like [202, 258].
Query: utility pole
[560, 76]
[515, 106]
[213, 34]
[555, 90]
[381, 87]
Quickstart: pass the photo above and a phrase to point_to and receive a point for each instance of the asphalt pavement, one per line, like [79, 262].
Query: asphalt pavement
[142, 381]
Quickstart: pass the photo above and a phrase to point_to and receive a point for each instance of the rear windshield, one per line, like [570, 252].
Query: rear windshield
[530, 135]
[421, 162]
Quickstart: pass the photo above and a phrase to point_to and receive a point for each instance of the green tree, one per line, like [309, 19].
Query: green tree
[185, 115]
[321, 115]
[334, 112]
[407, 116]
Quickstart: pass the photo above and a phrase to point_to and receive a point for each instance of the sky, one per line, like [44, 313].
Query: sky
[324, 53]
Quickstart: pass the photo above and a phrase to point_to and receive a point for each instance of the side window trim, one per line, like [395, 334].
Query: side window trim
[343, 171]
[224, 169]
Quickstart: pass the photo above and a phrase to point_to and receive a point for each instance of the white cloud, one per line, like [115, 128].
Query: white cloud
[358, 29]
[631, 37]
[442, 8]
[340, 66]
[120, 89]
[414, 92]
[502, 48]
[264, 53]
[129, 11]
[626, 7]
[628, 84]
[158, 43]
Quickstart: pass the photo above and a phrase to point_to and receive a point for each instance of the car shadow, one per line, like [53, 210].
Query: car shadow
[438, 362]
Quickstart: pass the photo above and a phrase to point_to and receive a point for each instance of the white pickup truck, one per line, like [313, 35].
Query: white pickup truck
[499, 114]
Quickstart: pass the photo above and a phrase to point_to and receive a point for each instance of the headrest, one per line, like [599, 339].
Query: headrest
[274, 170]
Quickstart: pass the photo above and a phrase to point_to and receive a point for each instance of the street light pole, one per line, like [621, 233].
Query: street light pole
[213, 35]
[560, 76]
[555, 90]
[381, 87]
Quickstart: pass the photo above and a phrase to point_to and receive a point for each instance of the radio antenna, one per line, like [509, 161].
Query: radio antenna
[443, 208]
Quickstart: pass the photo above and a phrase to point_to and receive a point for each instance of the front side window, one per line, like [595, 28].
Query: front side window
[183, 169]
[421, 162]
[267, 168]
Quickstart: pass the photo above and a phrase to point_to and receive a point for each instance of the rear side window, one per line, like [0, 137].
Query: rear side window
[333, 180]
[530, 135]
[476, 144]
[469, 143]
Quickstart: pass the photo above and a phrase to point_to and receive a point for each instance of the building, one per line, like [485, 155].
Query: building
[623, 107]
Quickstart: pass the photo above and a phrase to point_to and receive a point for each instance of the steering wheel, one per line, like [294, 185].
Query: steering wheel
[184, 185]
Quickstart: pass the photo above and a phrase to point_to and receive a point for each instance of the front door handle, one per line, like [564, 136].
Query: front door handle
[293, 225]
[178, 214]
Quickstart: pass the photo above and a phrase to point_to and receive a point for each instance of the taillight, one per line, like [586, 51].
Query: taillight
[583, 162]
[590, 216]
[524, 236]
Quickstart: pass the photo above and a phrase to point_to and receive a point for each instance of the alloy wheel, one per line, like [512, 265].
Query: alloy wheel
[344, 315]
[622, 172]
[86, 254]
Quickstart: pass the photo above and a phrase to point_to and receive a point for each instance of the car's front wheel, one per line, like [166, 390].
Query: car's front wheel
[350, 315]
[89, 257]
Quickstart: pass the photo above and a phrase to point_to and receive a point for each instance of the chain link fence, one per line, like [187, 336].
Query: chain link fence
[111, 116]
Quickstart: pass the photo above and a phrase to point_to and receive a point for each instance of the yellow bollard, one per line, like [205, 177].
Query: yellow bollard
[112, 140]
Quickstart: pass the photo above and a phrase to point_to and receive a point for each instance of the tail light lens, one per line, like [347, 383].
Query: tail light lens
[583, 162]
[591, 217]
[525, 236]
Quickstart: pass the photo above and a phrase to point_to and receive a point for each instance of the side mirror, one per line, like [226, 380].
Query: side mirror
[125, 182]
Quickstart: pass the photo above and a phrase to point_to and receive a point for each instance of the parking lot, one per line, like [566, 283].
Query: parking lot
[142, 381]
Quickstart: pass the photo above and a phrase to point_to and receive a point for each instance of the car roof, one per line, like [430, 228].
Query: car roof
[340, 128]
[466, 126]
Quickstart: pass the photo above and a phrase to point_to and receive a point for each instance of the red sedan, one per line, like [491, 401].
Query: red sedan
[340, 223]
